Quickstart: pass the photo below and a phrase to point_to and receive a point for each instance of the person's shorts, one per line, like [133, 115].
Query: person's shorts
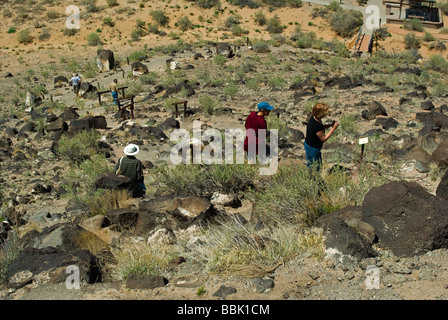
[115, 96]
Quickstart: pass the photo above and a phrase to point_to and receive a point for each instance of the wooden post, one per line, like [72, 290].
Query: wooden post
[132, 107]
[185, 109]
[122, 92]
[99, 97]
[177, 111]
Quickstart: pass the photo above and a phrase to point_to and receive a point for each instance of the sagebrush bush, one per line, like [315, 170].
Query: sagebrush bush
[413, 25]
[411, 41]
[207, 4]
[208, 104]
[79, 147]
[184, 23]
[346, 22]
[260, 18]
[25, 37]
[160, 17]
[274, 25]
[437, 63]
[437, 45]
[261, 47]
[94, 39]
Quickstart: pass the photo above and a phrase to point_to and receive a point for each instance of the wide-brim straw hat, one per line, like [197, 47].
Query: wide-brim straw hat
[131, 150]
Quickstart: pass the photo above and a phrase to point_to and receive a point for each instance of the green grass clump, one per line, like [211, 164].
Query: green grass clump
[79, 147]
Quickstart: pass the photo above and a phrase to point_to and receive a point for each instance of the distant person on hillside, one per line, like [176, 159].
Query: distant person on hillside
[315, 135]
[76, 83]
[129, 166]
[254, 143]
[114, 90]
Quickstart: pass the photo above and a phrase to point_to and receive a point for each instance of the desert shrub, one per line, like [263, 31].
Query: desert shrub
[103, 201]
[137, 56]
[278, 124]
[413, 25]
[437, 63]
[25, 37]
[160, 17]
[303, 39]
[44, 35]
[108, 22]
[93, 39]
[219, 60]
[7, 13]
[92, 7]
[208, 104]
[439, 89]
[112, 3]
[237, 30]
[80, 147]
[232, 20]
[274, 25]
[253, 4]
[136, 34]
[295, 3]
[411, 41]
[261, 47]
[275, 3]
[9, 251]
[204, 180]
[51, 15]
[260, 18]
[69, 32]
[234, 249]
[184, 23]
[346, 22]
[348, 124]
[276, 81]
[437, 45]
[150, 78]
[443, 5]
[297, 194]
[231, 89]
[139, 258]
[207, 4]
[428, 37]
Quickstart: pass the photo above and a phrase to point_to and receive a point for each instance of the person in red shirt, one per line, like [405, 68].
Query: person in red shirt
[255, 139]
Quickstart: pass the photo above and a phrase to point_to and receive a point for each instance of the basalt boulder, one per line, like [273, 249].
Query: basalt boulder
[407, 219]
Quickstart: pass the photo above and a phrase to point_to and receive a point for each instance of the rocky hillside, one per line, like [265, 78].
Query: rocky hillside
[222, 231]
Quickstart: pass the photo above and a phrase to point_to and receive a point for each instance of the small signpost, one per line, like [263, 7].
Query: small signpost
[362, 142]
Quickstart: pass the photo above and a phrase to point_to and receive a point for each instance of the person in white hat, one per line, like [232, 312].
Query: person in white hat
[131, 167]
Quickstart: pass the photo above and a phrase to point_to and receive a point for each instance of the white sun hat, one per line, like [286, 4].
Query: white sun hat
[131, 150]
